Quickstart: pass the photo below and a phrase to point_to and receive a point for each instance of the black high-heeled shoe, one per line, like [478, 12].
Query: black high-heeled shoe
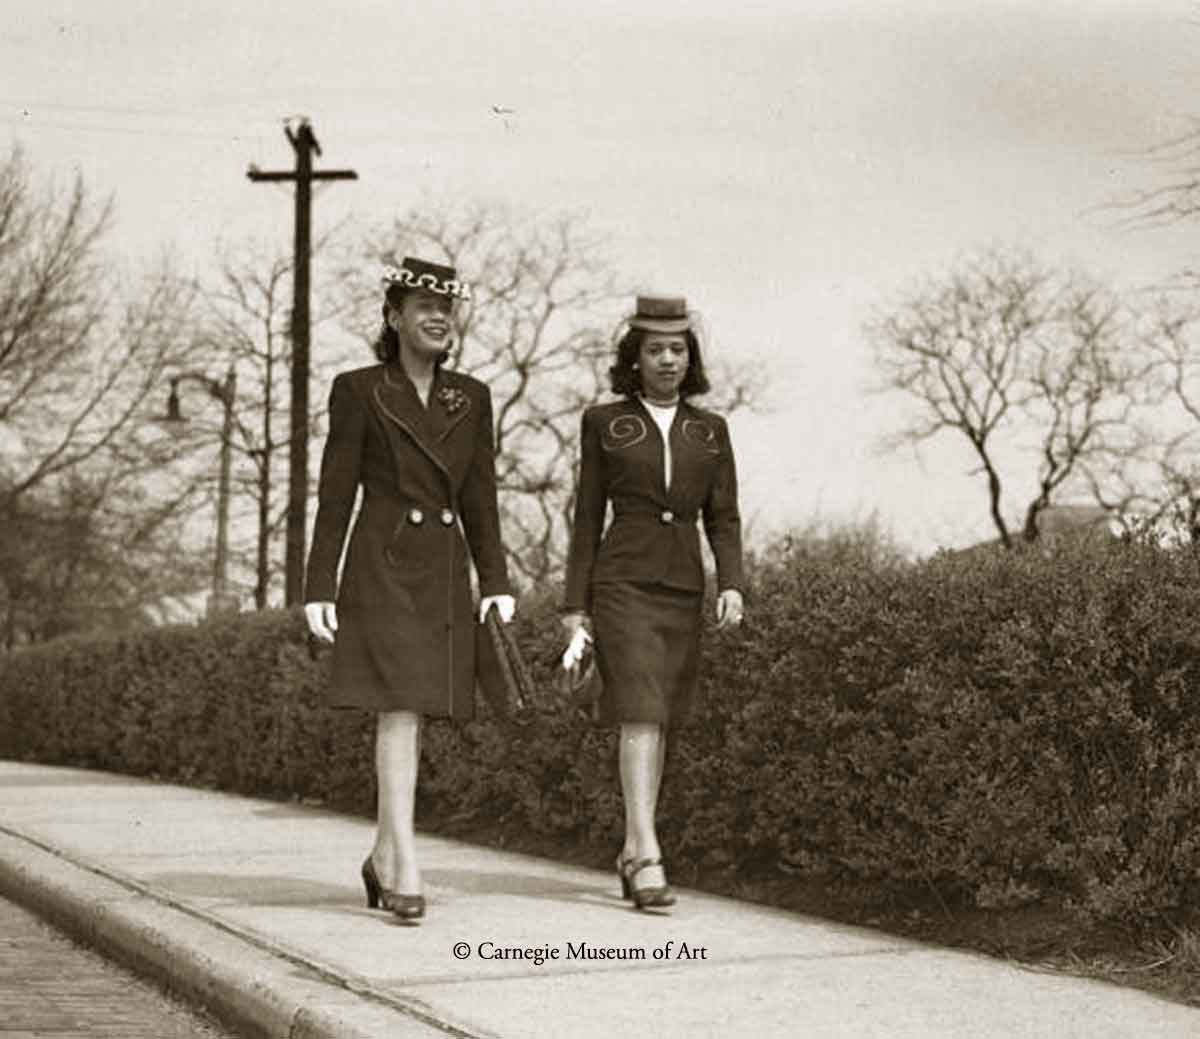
[658, 897]
[408, 908]
[375, 890]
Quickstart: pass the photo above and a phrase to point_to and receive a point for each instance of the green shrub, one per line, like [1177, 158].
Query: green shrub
[997, 727]
[1002, 727]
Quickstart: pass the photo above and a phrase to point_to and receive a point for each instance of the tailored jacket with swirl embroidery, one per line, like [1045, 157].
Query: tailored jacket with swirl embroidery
[653, 537]
[405, 638]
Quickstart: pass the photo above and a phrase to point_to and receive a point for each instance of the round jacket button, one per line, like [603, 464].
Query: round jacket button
[667, 516]
[416, 517]
[447, 517]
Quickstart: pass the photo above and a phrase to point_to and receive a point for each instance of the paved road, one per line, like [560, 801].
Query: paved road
[51, 987]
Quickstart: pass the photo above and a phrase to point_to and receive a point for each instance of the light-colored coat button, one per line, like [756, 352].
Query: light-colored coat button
[447, 517]
[667, 516]
[416, 517]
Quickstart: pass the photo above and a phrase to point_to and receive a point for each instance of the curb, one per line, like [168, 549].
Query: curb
[248, 987]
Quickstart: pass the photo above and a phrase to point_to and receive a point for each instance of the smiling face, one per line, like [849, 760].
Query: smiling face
[422, 323]
[663, 363]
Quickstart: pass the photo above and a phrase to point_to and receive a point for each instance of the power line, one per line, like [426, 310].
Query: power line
[29, 115]
[30, 106]
[40, 124]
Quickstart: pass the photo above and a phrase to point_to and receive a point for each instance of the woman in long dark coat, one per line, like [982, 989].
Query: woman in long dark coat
[418, 440]
[663, 463]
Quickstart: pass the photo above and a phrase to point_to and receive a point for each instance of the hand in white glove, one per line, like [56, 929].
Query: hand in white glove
[576, 648]
[322, 619]
[506, 604]
[729, 608]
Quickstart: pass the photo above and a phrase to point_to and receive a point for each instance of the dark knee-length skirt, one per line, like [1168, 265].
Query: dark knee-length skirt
[648, 652]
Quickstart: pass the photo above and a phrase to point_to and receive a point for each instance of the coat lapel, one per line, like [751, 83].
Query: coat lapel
[396, 399]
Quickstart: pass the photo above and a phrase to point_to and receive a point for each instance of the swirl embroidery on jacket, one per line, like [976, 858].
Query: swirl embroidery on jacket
[701, 434]
[622, 432]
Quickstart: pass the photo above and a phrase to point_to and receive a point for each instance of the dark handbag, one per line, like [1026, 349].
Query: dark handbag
[581, 684]
[499, 670]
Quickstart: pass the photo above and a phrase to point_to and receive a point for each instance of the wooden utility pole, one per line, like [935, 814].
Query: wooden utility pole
[304, 142]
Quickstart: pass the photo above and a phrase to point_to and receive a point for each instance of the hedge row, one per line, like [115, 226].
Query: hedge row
[1001, 728]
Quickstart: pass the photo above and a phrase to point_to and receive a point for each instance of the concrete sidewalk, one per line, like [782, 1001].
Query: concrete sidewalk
[255, 908]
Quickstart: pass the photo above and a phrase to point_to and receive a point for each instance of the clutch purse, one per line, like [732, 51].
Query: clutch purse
[581, 683]
[500, 672]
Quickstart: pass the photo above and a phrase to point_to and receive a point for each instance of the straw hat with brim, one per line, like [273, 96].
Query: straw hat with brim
[661, 314]
[422, 274]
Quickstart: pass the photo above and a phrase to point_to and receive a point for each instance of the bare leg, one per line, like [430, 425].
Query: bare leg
[397, 754]
[659, 763]
[641, 763]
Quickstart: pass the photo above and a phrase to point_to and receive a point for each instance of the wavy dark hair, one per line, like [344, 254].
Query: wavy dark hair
[627, 380]
[387, 343]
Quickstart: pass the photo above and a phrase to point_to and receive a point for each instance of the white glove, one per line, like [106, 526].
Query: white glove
[729, 609]
[322, 619]
[576, 648]
[506, 604]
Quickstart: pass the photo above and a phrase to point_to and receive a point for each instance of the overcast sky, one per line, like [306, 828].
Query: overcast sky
[788, 166]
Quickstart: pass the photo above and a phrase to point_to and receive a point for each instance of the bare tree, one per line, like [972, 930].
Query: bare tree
[1158, 478]
[76, 360]
[1161, 477]
[81, 351]
[1034, 369]
[247, 323]
[1178, 197]
[95, 550]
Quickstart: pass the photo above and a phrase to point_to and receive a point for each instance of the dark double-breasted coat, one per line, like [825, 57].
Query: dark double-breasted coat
[405, 638]
[653, 538]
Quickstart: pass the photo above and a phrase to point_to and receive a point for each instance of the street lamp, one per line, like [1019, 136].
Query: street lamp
[226, 392]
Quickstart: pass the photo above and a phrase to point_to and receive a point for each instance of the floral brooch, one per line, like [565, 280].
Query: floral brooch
[452, 399]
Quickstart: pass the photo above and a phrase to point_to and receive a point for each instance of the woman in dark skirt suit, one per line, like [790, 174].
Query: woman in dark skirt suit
[663, 463]
[418, 440]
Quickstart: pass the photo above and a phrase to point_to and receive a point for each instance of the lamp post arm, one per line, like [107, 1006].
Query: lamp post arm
[216, 388]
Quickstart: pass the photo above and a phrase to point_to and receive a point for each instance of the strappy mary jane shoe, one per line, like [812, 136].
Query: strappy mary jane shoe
[408, 908]
[626, 890]
[658, 897]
